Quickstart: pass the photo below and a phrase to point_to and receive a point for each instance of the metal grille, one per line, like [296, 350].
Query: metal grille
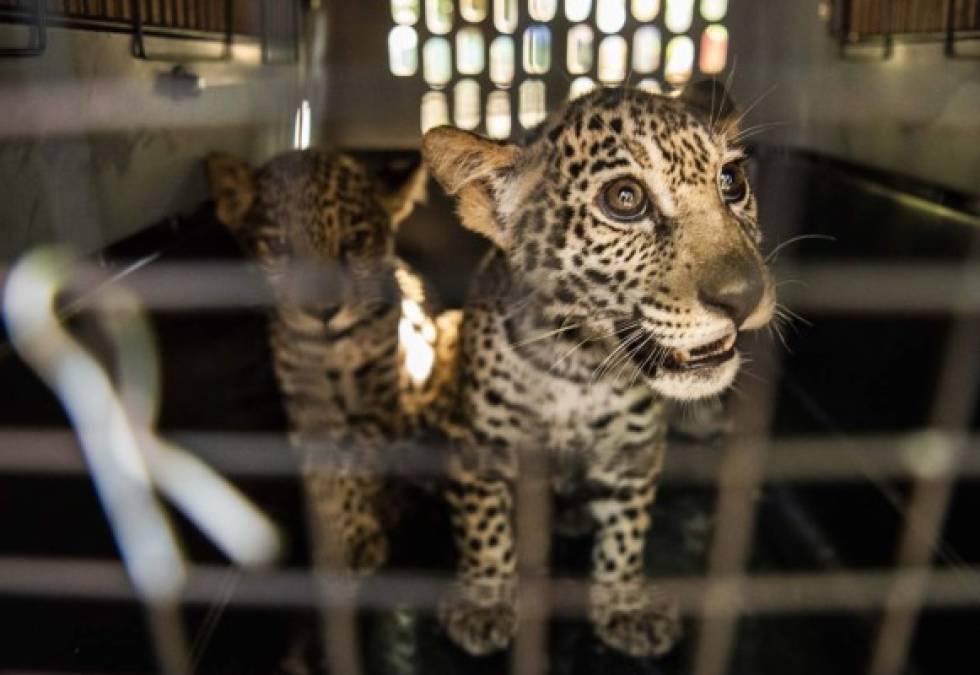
[858, 19]
[189, 15]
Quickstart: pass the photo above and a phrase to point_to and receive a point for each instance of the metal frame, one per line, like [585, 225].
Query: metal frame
[854, 47]
[39, 34]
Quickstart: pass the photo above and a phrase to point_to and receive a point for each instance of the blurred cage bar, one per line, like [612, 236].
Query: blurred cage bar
[275, 22]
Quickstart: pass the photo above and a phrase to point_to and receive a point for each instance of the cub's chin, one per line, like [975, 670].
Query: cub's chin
[691, 384]
[683, 374]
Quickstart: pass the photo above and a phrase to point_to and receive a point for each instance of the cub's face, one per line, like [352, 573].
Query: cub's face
[631, 216]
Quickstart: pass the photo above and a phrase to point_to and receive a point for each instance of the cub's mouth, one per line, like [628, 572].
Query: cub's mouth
[652, 357]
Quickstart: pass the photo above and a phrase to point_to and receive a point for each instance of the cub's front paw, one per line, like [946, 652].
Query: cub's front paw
[635, 617]
[480, 616]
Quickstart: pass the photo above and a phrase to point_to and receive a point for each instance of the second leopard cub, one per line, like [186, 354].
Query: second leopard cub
[626, 261]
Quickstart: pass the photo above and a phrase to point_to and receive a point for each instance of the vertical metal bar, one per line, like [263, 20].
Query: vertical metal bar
[950, 46]
[139, 49]
[739, 480]
[956, 394]
[532, 521]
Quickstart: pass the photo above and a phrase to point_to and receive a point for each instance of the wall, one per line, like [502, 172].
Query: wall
[94, 145]
[917, 113]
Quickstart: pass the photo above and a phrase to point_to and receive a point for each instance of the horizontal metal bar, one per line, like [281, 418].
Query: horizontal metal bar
[294, 588]
[813, 459]
[879, 288]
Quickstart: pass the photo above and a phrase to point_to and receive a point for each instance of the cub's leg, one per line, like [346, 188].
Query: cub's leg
[346, 533]
[480, 612]
[627, 611]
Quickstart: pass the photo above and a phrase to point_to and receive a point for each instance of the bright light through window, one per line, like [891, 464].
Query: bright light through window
[714, 10]
[679, 15]
[580, 87]
[439, 16]
[518, 47]
[580, 47]
[505, 15]
[537, 50]
[714, 49]
[533, 107]
[646, 10]
[578, 10]
[502, 61]
[646, 49]
[403, 54]
[650, 85]
[612, 59]
[435, 110]
[473, 10]
[610, 15]
[680, 60]
[301, 128]
[466, 104]
[405, 12]
[498, 114]
[469, 51]
[542, 10]
[437, 62]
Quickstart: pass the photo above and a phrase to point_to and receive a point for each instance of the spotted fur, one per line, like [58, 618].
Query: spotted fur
[323, 232]
[581, 330]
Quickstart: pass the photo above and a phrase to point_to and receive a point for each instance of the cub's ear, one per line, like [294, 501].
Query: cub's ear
[400, 201]
[232, 188]
[473, 169]
[710, 99]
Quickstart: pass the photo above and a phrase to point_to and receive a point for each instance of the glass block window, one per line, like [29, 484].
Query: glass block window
[437, 62]
[578, 57]
[474, 11]
[403, 53]
[680, 60]
[646, 50]
[714, 10]
[502, 61]
[505, 15]
[650, 85]
[439, 16]
[467, 104]
[542, 10]
[435, 110]
[470, 58]
[646, 10]
[537, 50]
[405, 12]
[498, 114]
[714, 49]
[492, 62]
[533, 107]
[612, 59]
[578, 10]
[580, 87]
[610, 15]
[679, 15]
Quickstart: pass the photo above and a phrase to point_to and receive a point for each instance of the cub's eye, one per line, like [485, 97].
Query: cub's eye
[624, 199]
[732, 183]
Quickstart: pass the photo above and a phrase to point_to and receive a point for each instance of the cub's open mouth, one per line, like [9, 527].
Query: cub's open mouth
[652, 357]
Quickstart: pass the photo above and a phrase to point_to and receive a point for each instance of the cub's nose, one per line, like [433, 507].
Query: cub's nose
[733, 288]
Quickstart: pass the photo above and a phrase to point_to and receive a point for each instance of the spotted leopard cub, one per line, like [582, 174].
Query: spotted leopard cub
[626, 262]
[323, 231]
